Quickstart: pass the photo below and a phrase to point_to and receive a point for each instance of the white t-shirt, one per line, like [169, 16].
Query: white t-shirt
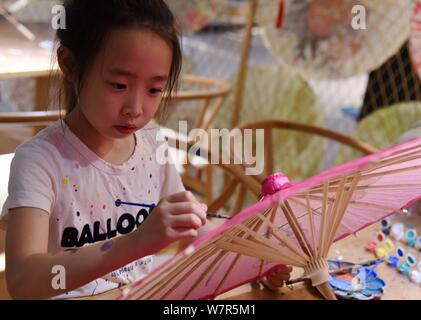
[58, 173]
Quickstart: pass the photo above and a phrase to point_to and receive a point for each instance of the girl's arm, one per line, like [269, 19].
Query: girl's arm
[29, 266]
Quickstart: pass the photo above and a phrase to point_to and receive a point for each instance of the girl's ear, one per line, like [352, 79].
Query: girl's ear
[66, 63]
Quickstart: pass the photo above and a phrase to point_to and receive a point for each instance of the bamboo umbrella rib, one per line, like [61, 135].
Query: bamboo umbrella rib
[158, 277]
[231, 267]
[365, 174]
[390, 172]
[268, 233]
[315, 211]
[361, 203]
[288, 243]
[263, 244]
[193, 265]
[239, 232]
[295, 226]
[345, 200]
[408, 153]
[312, 226]
[364, 187]
[327, 229]
[166, 275]
[248, 225]
[276, 257]
[212, 266]
[270, 244]
[341, 195]
[323, 220]
[338, 200]
[396, 160]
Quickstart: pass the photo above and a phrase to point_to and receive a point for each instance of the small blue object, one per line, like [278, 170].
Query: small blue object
[393, 261]
[404, 269]
[411, 243]
[400, 252]
[411, 234]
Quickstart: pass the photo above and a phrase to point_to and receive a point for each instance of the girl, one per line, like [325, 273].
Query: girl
[118, 59]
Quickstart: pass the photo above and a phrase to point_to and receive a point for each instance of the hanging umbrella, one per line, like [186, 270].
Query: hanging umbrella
[193, 16]
[285, 95]
[294, 224]
[383, 128]
[333, 39]
[415, 39]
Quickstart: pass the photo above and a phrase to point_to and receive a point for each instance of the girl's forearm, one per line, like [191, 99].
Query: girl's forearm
[37, 278]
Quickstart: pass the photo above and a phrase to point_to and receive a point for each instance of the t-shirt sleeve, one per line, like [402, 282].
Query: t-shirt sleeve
[31, 182]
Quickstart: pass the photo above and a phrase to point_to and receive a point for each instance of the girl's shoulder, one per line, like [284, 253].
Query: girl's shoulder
[44, 145]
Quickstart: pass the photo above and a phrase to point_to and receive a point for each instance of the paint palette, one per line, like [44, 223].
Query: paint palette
[360, 283]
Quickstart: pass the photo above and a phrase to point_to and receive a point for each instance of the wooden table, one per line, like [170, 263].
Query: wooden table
[352, 249]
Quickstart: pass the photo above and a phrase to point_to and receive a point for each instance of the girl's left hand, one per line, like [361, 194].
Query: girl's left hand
[276, 279]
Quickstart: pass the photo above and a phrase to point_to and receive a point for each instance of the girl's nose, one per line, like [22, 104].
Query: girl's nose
[133, 108]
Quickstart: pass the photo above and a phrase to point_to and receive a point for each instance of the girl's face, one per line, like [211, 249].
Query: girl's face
[123, 89]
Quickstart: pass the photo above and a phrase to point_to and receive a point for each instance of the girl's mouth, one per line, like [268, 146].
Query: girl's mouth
[126, 130]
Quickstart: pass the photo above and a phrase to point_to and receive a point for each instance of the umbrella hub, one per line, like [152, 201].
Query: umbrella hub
[274, 183]
[318, 271]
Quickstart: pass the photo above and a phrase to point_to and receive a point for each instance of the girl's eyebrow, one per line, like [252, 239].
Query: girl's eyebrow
[122, 72]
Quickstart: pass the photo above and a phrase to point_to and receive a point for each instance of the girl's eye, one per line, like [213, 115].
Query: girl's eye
[155, 91]
[118, 86]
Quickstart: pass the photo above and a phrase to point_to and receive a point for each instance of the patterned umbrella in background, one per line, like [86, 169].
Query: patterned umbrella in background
[193, 16]
[415, 39]
[320, 39]
[279, 93]
[382, 128]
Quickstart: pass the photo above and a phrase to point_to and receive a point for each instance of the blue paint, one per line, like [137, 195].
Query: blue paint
[404, 269]
[393, 261]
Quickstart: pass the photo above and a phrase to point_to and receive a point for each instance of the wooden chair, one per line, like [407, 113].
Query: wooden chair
[204, 97]
[269, 127]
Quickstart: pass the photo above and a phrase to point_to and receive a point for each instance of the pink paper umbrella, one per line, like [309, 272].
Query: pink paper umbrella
[293, 224]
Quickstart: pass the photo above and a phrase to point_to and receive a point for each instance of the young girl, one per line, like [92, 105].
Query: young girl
[118, 59]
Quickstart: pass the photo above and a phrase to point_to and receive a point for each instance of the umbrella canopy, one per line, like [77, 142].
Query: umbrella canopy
[333, 39]
[193, 16]
[294, 224]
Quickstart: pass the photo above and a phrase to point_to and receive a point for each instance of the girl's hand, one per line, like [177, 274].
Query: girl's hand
[276, 279]
[177, 217]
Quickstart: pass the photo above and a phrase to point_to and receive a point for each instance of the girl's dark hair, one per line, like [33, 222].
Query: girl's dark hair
[89, 22]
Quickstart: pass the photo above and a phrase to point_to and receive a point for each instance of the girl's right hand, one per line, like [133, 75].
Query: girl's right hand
[177, 217]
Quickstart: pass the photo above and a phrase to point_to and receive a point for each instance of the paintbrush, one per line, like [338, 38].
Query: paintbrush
[118, 203]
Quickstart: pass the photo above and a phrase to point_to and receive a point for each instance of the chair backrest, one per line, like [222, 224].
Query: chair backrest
[269, 126]
[198, 100]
